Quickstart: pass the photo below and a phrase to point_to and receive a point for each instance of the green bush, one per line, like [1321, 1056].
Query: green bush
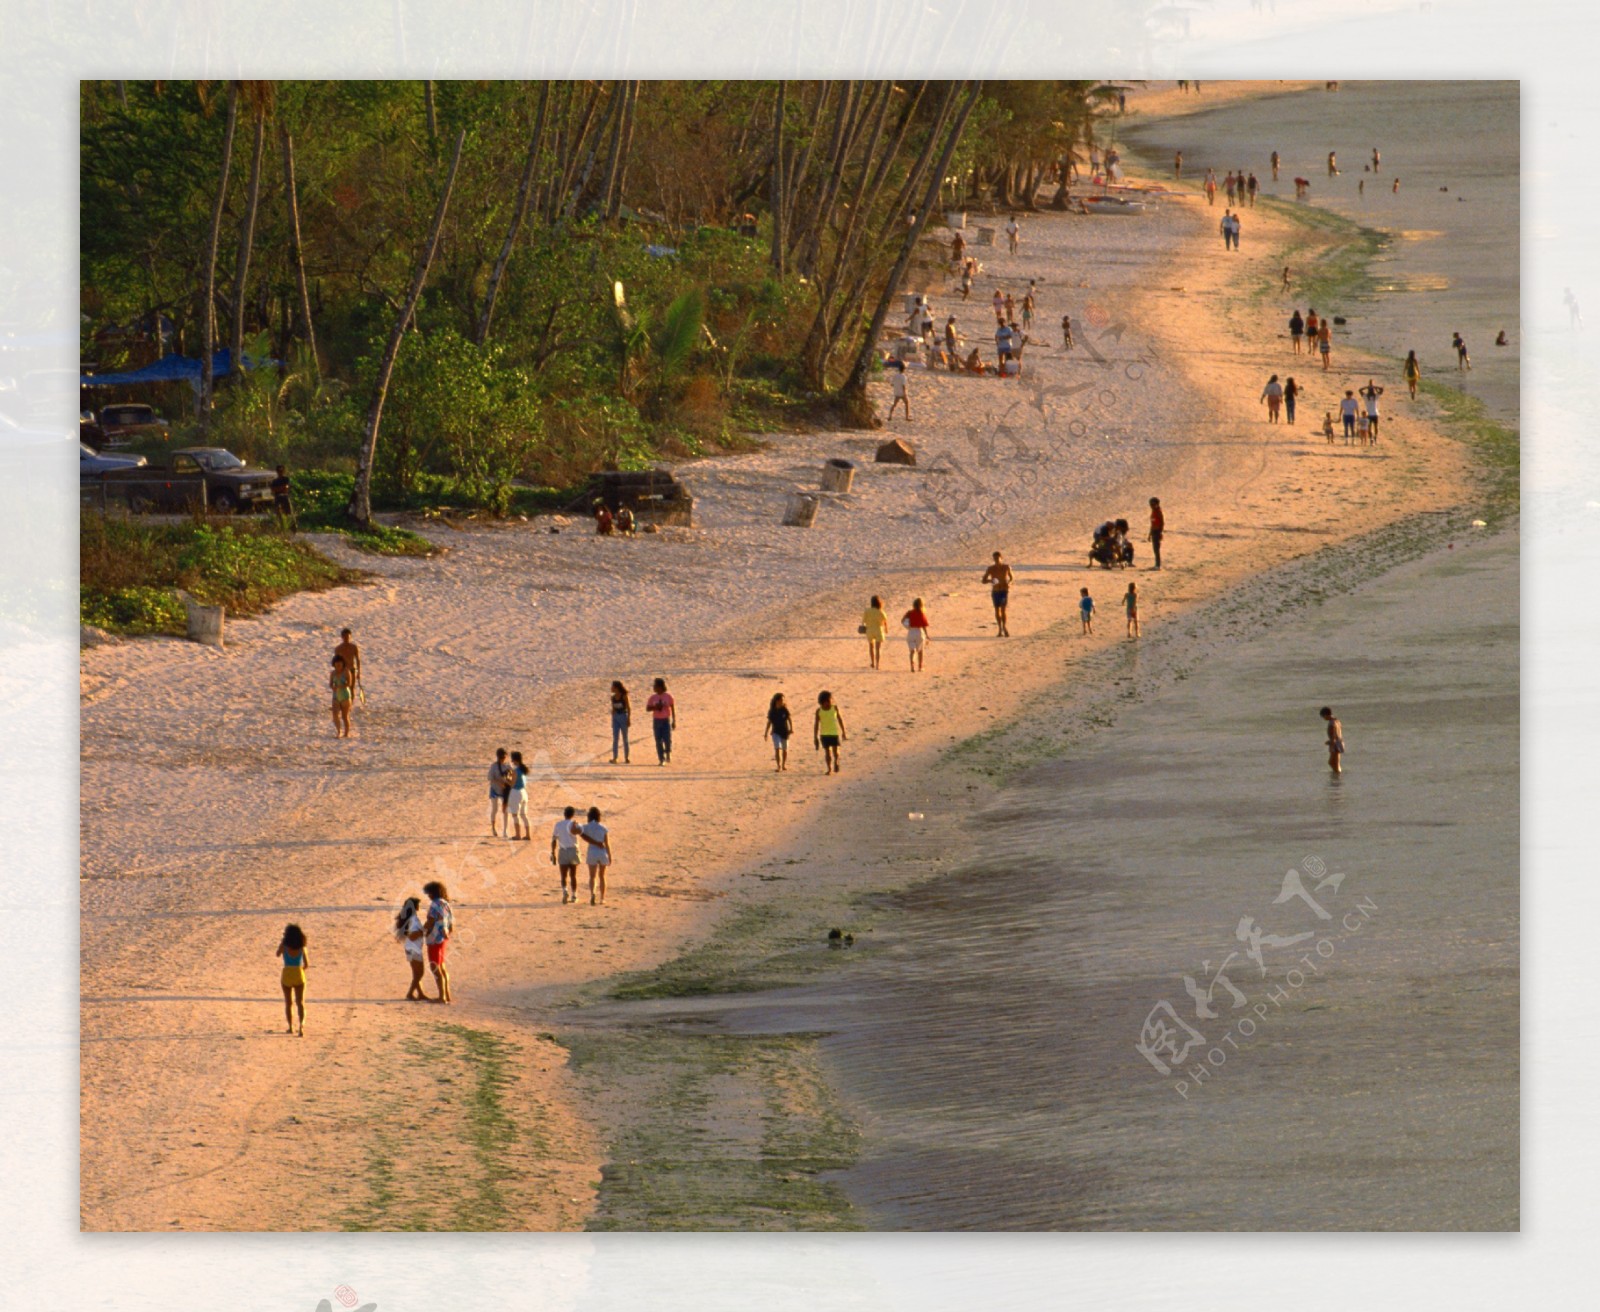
[135, 610]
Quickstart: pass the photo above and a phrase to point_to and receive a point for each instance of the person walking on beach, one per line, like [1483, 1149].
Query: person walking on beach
[1130, 604]
[1251, 187]
[1013, 233]
[1066, 332]
[339, 683]
[915, 623]
[1236, 227]
[1177, 165]
[597, 853]
[966, 279]
[1291, 393]
[951, 352]
[408, 930]
[1574, 312]
[1027, 312]
[828, 731]
[436, 932]
[1327, 426]
[780, 728]
[1158, 528]
[1297, 325]
[1229, 184]
[958, 248]
[1086, 611]
[1286, 278]
[1335, 740]
[1463, 360]
[1275, 166]
[1325, 342]
[517, 828]
[875, 625]
[621, 721]
[1211, 186]
[1371, 392]
[1226, 228]
[352, 662]
[897, 388]
[663, 720]
[499, 790]
[1347, 412]
[1272, 394]
[1413, 373]
[998, 577]
[564, 853]
[999, 307]
[292, 948]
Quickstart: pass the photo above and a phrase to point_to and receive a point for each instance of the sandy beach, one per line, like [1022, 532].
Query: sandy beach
[222, 806]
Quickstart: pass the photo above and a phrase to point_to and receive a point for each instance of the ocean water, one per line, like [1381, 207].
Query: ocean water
[1365, 1077]
[1451, 262]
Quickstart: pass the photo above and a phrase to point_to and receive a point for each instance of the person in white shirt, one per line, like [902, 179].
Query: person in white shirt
[598, 841]
[1347, 411]
[1372, 392]
[408, 929]
[1013, 233]
[564, 853]
[897, 388]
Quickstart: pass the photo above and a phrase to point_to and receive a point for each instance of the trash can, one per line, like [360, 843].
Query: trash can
[956, 218]
[986, 236]
[204, 622]
[837, 475]
[801, 511]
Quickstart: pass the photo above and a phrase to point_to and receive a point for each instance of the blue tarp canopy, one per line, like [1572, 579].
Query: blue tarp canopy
[172, 369]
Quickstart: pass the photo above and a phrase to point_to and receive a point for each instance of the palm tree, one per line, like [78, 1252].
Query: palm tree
[208, 314]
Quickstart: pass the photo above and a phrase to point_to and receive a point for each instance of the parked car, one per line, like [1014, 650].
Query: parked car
[91, 464]
[118, 425]
[176, 483]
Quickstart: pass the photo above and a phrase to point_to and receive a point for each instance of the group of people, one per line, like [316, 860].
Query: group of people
[1112, 544]
[1315, 332]
[1360, 420]
[1239, 189]
[1130, 610]
[827, 730]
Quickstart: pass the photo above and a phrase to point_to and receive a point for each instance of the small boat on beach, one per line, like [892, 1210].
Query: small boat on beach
[1112, 205]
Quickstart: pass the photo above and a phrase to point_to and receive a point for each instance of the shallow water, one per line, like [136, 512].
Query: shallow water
[988, 1039]
[1452, 264]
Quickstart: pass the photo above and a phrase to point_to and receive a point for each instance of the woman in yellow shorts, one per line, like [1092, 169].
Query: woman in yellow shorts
[292, 948]
[875, 624]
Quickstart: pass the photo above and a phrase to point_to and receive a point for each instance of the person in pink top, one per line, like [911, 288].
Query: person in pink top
[915, 623]
[663, 720]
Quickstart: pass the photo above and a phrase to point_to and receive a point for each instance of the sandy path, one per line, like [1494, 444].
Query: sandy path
[221, 807]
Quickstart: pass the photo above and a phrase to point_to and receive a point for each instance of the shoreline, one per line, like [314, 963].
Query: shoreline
[500, 977]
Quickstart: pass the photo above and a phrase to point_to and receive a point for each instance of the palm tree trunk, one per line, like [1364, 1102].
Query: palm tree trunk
[854, 393]
[296, 251]
[524, 196]
[208, 311]
[630, 110]
[776, 194]
[247, 236]
[360, 508]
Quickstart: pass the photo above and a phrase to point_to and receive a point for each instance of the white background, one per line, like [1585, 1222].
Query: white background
[45, 48]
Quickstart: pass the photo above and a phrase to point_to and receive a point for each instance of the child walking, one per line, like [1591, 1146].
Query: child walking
[1130, 603]
[827, 731]
[780, 728]
[292, 948]
[1086, 610]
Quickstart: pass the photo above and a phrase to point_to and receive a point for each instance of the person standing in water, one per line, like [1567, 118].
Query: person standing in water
[998, 577]
[1177, 165]
[1130, 604]
[1333, 165]
[828, 731]
[292, 948]
[1335, 740]
[915, 623]
[780, 728]
[1274, 166]
[663, 720]
[1463, 360]
[875, 624]
[1413, 373]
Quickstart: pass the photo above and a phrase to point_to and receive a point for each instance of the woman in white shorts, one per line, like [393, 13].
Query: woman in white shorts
[517, 825]
[597, 854]
[915, 623]
[408, 929]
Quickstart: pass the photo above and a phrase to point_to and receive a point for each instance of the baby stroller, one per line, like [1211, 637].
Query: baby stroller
[1111, 547]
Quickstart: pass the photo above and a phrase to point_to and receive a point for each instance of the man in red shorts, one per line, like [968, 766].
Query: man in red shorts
[436, 931]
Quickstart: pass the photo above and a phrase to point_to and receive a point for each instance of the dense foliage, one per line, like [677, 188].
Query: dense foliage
[622, 268]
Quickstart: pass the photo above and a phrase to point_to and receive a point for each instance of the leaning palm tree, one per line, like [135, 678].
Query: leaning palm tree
[208, 310]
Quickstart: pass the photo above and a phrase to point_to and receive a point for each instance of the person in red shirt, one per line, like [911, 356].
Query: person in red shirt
[663, 720]
[1158, 526]
[915, 623]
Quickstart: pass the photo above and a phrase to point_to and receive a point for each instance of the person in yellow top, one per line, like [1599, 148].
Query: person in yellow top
[827, 731]
[875, 624]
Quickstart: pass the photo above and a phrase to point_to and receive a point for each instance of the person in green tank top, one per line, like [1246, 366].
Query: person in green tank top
[828, 731]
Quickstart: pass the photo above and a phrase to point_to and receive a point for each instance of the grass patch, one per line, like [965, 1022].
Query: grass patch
[1497, 447]
[320, 498]
[1335, 260]
[130, 571]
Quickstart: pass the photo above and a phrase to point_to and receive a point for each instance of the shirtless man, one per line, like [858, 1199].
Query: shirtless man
[1335, 740]
[352, 663]
[998, 577]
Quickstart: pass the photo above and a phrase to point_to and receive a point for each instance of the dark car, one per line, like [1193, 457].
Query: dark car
[118, 425]
[176, 483]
